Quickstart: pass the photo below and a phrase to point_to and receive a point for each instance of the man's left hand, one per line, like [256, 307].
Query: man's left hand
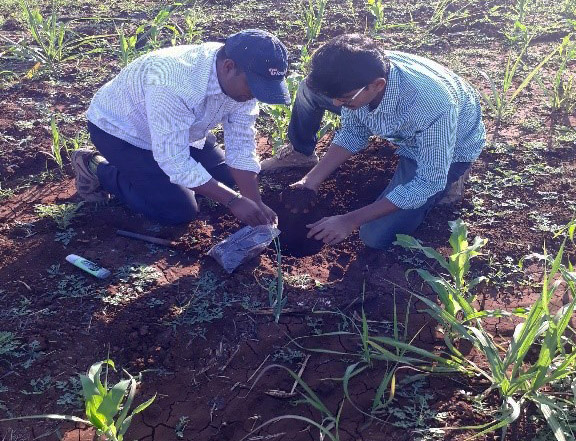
[331, 230]
[269, 213]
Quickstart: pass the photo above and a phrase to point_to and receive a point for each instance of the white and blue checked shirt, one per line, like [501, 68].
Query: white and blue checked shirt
[169, 99]
[430, 113]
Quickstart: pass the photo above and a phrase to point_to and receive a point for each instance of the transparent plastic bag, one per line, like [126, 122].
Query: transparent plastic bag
[243, 245]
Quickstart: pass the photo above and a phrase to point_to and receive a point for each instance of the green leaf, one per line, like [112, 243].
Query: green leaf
[112, 400]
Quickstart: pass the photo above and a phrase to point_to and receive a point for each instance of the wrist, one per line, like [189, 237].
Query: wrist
[232, 200]
[310, 184]
[352, 219]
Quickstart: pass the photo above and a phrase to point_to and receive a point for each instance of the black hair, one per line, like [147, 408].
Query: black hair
[221, 55]
[346, 63]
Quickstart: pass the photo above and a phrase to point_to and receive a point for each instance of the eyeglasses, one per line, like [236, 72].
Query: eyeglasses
[347, 101]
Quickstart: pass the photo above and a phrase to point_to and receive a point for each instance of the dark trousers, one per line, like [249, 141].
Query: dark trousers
[133, 176]
[381, 233]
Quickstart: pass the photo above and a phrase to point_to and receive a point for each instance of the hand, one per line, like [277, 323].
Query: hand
[270, 214]
[298, 198]
[249, 212]
[331, 230]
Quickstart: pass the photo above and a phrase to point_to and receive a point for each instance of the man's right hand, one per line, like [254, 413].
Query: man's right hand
[249, 212]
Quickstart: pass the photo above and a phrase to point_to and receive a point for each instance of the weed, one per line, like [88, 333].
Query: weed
[75, 286]
[6, 193]
[416, 415]
[134, 279]
[138, 276]
[65, 237]
[39, 385]
[201, 307]
[315, 324]
[181, 426]
[61, 214]
[71, 393]
[9, 344]
[288, 355]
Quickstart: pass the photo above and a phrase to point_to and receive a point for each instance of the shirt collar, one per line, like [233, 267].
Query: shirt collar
[213, 84]
[391, 96]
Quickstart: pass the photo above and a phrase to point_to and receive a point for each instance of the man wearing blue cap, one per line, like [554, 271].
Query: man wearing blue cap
[151, 125]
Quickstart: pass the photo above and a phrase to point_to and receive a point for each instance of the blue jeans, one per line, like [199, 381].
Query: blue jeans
[306, 118]
[133, 176]
[380, 233]
[307, 113]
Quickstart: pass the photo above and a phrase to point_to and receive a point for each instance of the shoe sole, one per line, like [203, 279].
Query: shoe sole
[79, 168]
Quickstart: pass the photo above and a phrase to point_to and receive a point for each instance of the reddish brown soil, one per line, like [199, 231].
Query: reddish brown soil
[205, 371]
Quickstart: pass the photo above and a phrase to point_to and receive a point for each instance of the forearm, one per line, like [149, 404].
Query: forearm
[334, 157]
[247, 182]
[375, 210]
[216, 191]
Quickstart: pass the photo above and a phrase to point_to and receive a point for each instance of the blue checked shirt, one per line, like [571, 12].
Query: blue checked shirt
[167, 101]
[430, 113]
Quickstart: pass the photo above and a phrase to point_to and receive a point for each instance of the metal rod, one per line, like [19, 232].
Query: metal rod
[151, 239]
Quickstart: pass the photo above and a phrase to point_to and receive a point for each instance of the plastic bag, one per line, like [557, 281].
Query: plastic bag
[243, 245]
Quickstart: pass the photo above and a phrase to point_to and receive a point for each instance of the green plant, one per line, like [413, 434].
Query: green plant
[54, 41]
[61, 214]
[514, 374]
[312, 14]
[107, 408]
[443, 16]
[376, 9]
[562, 92]
[329, 425]
[281, 114]
[56, 153]
[502, 96]
[147, 36]
[127, 47]
[276, 288]
[192, 31]
[456, 295]
[181, 426]
[8, 344]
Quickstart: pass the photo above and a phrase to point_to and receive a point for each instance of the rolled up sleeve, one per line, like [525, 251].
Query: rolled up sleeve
[240, 137]
[169, 120]
[435, 146]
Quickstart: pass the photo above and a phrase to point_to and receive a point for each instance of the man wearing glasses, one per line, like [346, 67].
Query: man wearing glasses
[430, 113]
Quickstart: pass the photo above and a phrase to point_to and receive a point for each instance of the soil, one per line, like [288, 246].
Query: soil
[207, 342]
[296, 209]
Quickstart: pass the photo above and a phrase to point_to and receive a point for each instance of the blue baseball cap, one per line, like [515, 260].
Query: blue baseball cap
[265, 60]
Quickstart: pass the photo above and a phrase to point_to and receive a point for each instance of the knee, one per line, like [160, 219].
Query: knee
[175, 216]
[374, 236]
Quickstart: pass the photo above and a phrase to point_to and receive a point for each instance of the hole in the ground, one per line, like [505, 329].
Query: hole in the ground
[293, 229]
